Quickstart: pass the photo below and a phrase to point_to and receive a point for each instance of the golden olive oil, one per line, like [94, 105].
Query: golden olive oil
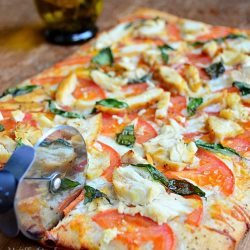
[69, 21]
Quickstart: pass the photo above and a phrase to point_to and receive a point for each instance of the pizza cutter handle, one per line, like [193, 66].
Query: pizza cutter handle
[8, 186]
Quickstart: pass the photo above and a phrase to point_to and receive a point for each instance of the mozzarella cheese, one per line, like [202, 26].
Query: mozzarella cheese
[231, 57]
[241, 45]
[18, 115]
[98, 161]
[106, 39]
[210, 48]
[134, 186]
[150, 28]
[169, 149]
[191, 27]
[223, 128]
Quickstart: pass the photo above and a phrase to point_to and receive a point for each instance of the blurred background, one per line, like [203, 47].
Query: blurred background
[24, 51]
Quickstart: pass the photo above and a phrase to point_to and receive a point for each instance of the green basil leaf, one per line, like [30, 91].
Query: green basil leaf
[183, 187]
[68, 184]
[126, 137]
[112, 103]
[243, 87]
[215, 70]
[145, 78]
[180, 187]
[104, 57]
[193, 104]
[217, 148]
[220, 39]
[164, 48]
[19, 142]
[47, 143]
[92, 193]
[67, 114]
[19, 90]
[2, 128]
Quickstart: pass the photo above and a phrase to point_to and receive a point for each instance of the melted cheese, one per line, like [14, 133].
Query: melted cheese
[134, 186]
[106, 39]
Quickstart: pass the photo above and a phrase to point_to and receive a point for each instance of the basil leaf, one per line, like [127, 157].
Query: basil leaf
[126, 137]
[19, 90]
[92, 193]
[2, 128]
[104, 57]
[215, 70]
[193, 104]
[68, 184]
[19, 142]
[47, 143]
[217, 148]
[243, 87]
[180, 187]
[183, 187]
[67, 114]
[112, 103]
[220, 39]
[145, 78]
[164, 48]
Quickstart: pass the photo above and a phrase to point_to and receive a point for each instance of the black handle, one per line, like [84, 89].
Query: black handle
[8, 186]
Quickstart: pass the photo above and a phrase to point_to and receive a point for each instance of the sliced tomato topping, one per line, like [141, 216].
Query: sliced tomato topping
[199, 59]
[215, 32]
[74, 61]
[137, 230]
[195, 217]
[134, 89]
[115, 161]
[179, 103]
[47, 80]
[110, 125]
[8, 124]
[144, 131]
[88, 90]
[173, 32]
[240, 143]
[212, 172]
[28, 119]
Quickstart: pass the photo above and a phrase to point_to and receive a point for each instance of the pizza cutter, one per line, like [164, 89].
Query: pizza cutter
[38, 182]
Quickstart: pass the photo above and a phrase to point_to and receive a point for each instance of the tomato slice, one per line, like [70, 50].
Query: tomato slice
[199, 59]
[212, 172]
[47, 80]
[134, 89]
[179, 103]
[74, 61]
[215, 32]
[240, 143]
[115, 161]
[88, 90]
[144, 131]
[195, 217]
[137, 230]
[110, 125]
[173, 32]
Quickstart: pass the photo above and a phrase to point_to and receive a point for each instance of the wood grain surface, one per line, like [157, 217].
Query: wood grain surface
[23, 51]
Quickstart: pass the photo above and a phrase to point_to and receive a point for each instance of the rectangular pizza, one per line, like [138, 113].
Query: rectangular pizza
[163, 104]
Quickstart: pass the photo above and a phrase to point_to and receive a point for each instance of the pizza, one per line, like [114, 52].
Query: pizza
[164, 106]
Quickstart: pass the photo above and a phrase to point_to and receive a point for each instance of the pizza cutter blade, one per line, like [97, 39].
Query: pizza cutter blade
[52, 179]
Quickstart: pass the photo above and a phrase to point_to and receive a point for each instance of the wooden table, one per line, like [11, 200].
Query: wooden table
[23, 51]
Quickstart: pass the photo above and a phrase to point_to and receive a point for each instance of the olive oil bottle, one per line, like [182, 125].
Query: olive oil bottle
[69, 21]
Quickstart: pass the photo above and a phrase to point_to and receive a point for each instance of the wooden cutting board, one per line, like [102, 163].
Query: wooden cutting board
[23, 51]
